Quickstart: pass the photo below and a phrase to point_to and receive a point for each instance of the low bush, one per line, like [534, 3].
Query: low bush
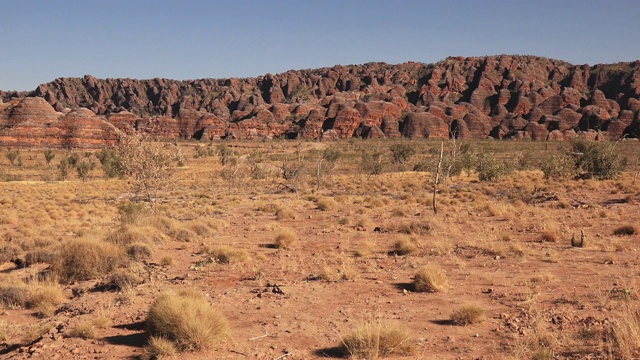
[596, 159]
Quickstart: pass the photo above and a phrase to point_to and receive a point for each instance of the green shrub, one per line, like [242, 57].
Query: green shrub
[371, 163]
[111, 163]
[224, 152]
[401, 153]
[83, 168]
[490, 168]
[597, 160]
[12, 155]
[48, 156]
[558, 167]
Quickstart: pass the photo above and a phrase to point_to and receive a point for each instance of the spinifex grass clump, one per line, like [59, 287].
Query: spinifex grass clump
[187, 320]
[430, 279]
[377, 340]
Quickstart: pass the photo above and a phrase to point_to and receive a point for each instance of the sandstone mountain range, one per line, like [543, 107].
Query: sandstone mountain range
[502, 97]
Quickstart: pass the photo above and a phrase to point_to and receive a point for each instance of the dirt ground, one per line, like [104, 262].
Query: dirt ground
[505, 246]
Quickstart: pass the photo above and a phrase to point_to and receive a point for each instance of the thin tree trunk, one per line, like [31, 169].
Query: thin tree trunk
[437, 179]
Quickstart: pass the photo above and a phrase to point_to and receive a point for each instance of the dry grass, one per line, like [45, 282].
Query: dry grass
[625, 333]
[124, 279]
[159, 348]
[430, 279]
[326, 204]
[364, 249]
[411, 228]
[467, 315]
[44, 298]
[166, 260]
[139, 251]
[84, 259]
[285, 213]
[83, 329]
[228, 255]
[378, 340]
[187, 320]
[286, 239]
[34, 332]
[13, 296]
[405, 246]
[625, 230]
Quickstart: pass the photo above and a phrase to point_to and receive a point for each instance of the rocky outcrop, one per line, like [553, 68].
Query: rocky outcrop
[467, 97]
[32, 122]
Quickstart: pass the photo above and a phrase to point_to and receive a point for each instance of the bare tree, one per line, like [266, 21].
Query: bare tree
[147, 164]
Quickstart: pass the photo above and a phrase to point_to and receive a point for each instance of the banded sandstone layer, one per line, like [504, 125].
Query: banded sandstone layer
[516, 97]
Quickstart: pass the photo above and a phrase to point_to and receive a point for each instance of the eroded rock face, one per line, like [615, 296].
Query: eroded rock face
[32, 122]
[475, 97]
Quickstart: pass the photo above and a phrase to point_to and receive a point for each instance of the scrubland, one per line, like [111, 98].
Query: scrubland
[304, 250]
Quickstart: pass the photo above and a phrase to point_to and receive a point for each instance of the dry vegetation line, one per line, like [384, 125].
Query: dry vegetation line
[160, 250]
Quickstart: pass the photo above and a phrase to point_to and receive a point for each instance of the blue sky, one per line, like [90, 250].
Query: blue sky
[44, 40]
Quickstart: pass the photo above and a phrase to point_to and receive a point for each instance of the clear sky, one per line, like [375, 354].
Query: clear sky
[44, 40]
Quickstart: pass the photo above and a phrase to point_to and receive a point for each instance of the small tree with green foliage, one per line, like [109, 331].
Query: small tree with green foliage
[401, 153]
[596, 159]
[371, 163]
[83, 168]
[559, 167]
[224, 152]
[489, 167]
[48, 156]
[111, 163]
[12, 155]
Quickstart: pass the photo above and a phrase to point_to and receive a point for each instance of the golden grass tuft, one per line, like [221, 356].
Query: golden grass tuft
[139, 251]
[624, 333]
[166, 260]
[126, 235]
[378, 340]
[285, 213]
[228, 255]
[44, 298]
[411, 228]
[159, 348]
[84, 259]
[125, 279]
[364, 249]
[83, 329]
[187, 320]
[467, 315]
[405, 246]
[286, 239]
[430, 279]
[326, 204]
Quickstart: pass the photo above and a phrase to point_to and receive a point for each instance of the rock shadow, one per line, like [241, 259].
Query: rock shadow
[405, 286]
[336, 352]
[442, 322]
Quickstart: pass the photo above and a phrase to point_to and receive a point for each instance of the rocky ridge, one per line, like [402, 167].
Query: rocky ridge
[503, 97]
